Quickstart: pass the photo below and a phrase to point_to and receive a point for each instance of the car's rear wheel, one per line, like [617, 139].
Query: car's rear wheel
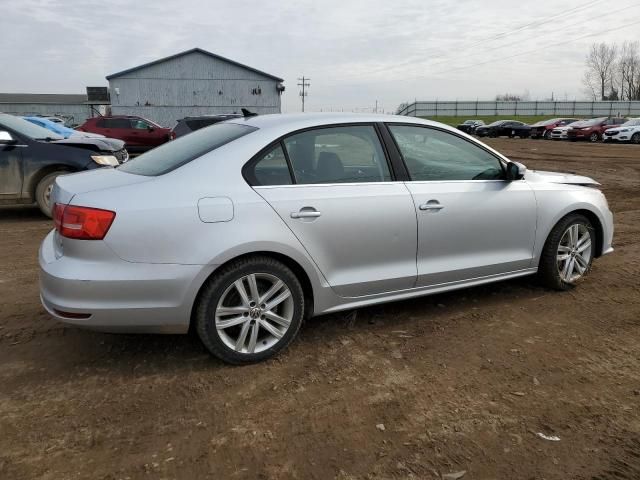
[43, 192]
[636, 138]
[568, 253]
[250, 311]
[594, 137]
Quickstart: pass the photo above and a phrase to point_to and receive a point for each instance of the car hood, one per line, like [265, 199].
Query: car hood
[558, 177]
[91, 143]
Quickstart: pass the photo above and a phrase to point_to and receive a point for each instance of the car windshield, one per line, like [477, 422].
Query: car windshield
[27, 129]
[469, 122]
[54, 127]
[544, 123]
[497, 122]
[631, 123]
[593, 122]
[176, 153]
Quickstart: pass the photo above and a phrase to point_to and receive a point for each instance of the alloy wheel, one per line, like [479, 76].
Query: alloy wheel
[594, 137]
[574, 253]
[254, 313]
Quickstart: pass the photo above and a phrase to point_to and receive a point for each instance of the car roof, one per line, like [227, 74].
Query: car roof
[297, 121]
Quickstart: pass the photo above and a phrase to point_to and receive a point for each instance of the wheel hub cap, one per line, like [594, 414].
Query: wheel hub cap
[254, 313]
[574, 253]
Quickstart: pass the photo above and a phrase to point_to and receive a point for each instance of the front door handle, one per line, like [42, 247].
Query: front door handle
[306, 213]
[433, 205]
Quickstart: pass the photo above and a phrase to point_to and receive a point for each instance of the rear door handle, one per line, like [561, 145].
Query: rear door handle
[306, 213]
[431, 205]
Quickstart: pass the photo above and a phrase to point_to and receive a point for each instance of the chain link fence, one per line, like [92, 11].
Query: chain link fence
[529, 108]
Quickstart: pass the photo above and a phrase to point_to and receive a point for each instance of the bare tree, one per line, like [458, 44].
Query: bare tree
[600, 65]
[627, 71]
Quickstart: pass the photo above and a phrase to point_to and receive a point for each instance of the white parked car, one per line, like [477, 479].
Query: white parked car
[627, 132]
[560, 133]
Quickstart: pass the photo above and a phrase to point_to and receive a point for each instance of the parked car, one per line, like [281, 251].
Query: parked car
[544, 128]
[242, 229]
[593, 128]
[560, 133]
[31, 158]
[469, 126]
[139, 134]
[191, 124]
[504, 128]
[627, 132]
[60, 128]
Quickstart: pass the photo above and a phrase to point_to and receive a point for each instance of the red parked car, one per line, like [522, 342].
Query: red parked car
[138, 134]
[593, 129]
[543, 128]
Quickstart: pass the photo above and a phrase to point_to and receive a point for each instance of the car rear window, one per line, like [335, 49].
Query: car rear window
[176, 153]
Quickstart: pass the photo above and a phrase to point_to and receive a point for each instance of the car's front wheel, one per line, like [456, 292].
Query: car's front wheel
[568, 252]
[636, 138]
[43, 192]
[250, 311]
[594, 137]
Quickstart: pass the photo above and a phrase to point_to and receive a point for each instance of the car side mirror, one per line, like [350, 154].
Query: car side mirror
[150, 129]
[515, 171]
[6, 138]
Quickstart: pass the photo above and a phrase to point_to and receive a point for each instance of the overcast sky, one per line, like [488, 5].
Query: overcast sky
[355, 52]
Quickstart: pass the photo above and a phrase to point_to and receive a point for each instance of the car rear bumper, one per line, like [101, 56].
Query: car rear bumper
[110, 294]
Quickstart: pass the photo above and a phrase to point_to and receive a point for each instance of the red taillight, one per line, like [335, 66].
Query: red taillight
[82, 223]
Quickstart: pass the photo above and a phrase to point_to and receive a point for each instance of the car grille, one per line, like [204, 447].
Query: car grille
[122, 155]
[608, 133]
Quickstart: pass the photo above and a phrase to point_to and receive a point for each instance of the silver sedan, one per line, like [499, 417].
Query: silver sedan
[243, 229]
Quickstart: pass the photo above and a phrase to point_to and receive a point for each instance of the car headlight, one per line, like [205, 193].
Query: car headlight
[107, 160]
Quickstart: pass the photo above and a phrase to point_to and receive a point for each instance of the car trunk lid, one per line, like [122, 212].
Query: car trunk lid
[68, 186]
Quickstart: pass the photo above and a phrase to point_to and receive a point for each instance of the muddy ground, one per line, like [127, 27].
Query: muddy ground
[461, 381]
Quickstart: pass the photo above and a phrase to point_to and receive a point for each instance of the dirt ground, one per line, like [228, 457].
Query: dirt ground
[456, 382]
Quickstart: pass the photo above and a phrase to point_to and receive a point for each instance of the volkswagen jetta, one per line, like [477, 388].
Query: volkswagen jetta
[243, 229]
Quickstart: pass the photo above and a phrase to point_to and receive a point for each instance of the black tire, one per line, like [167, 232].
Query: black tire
[43, 192]
[548, 271]
[635, 138]
[594, 137]
[547, 135]
[216, 286]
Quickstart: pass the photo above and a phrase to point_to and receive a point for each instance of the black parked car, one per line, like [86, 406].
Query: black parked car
[190, 124]
[31, 157]
[469, 126]
[504, 128]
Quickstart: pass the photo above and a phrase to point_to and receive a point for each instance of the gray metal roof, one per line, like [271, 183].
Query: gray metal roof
[187, 52]
[53, 98]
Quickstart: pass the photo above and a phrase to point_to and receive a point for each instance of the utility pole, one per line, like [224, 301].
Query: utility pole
[304, 83]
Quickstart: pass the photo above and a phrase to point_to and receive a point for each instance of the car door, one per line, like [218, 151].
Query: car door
[471, 222]
[11, 168]
[357, 224]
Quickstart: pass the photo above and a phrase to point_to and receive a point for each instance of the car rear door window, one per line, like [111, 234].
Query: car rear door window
[271, 169]
[349, 154]
[435, 155]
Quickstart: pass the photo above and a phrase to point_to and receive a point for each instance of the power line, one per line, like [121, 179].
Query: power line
[535, 49]
[501, 35]
[304, 83]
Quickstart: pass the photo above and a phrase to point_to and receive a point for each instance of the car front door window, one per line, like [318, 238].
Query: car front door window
[434, 155]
